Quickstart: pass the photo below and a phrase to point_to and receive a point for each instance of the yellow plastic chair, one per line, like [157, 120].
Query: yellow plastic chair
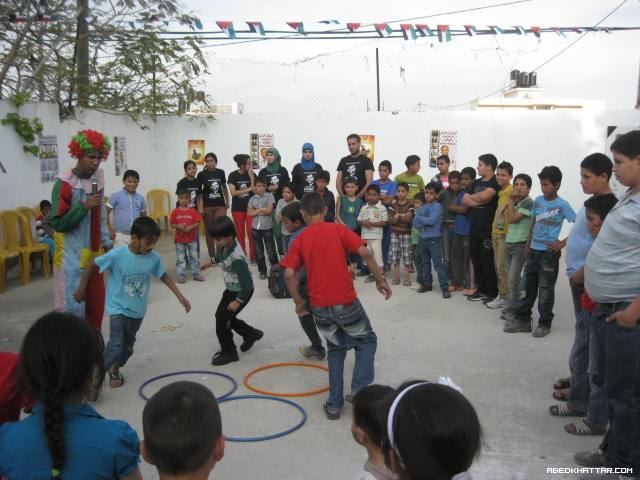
[159, 205]
[4, 256]
[31, 215]
[17, 234]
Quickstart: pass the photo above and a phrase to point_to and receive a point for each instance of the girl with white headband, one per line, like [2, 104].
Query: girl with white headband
[433, 432]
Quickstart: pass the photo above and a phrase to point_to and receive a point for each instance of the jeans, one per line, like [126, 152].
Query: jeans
[286, 239]
[539, 280]
[242, 222]
[484, 267]
[228, 322]
[417, 260]
[51, 243]
[621, 444]
[344, 326]
[460, 261]
[308, 325]
[430, 251]
[122, 337]
[262, 239]
[187, 252]
[500, 256]
[514, 262]
[386, 243]
[447, 240]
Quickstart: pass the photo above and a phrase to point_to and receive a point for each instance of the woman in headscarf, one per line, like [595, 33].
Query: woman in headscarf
[275, 176]
[306, 172]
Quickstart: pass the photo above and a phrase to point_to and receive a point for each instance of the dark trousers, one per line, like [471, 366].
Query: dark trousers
[386, 243]
[122, 337]
[227, 322]
[484, 268]
[264, 239]
[460, 261]
[539, 281]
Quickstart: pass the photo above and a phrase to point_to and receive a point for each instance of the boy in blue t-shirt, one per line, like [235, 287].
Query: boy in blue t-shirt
[387, 195]
[543, 257]
[130, 270]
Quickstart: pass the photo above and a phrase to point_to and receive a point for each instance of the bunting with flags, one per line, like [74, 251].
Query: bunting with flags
[470, 29]
[256, 27]
[408, 31]
[383, 29]
[353, 27]
[227, 27]
[424, 30]
[297, 26]
[444, 34]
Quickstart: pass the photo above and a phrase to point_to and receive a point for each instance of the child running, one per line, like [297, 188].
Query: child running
[130, 270]
[400, 218]
[339, 315]
[182, 431]
[185, 220]
[238, 291]
[65, 437]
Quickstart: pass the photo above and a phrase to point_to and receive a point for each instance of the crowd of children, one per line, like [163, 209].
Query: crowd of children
[483, 236]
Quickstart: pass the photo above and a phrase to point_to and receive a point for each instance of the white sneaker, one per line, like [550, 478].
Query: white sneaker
[497, 302]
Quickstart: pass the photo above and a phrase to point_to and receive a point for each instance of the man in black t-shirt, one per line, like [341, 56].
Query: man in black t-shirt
[356, 165]
[483, 201]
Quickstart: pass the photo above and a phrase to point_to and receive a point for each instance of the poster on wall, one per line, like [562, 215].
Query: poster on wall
[258, 145]
[614, 132]
[195, 150]
[367, 145]
[443, 142]
[48, 158]
[119, 155]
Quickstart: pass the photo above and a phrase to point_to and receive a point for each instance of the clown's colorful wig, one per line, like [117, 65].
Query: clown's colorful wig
[89, 141]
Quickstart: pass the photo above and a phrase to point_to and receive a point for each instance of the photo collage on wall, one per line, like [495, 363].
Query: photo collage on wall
[48, 145]
[443, 142]
[258, 145]
[119, 155]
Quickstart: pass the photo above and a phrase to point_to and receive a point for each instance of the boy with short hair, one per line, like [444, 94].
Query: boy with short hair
[418, 201]
[288, 198]
[238, 291]
[446, 197]
[372, 219]
[411, 177]
[127, 206]
[460, 246]
[443, 162]
[348, 208]
[428, 221]
[260, 207]
[400, 219]
[542, 262]
[327, 195]
[44, 228]
[338, 313]
[182, 431]
[191, 184]
[185, 220]
[499, 230]
[130, 270]
[519, 213]
[387, 194]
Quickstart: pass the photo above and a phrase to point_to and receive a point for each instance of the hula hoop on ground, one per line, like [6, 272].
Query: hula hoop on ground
[273, 435]
[285, 394]
[234, 384]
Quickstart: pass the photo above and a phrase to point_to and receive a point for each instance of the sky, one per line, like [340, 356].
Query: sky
[339, 75]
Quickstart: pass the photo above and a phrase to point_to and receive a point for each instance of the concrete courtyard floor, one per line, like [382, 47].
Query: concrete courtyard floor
[507, 377]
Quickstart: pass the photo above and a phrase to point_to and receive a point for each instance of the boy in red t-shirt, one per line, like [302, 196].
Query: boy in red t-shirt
[186, 221]
[12, 399]
[338, 313]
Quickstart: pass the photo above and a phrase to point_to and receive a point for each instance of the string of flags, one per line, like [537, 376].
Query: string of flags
[337, 30]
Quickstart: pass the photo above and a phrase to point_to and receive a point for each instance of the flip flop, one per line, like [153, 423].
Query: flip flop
[565, 410]
[560, 395]
[116, 379]
[562, 383]
[582, 428]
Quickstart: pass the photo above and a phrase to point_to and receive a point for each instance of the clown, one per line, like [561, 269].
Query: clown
[80, 223]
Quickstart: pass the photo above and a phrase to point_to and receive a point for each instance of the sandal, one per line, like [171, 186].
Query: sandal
[565, 410]
[407, 283]
[116, 379]
[562, 383]
[561, 395]
[583, 428]
[395, 281]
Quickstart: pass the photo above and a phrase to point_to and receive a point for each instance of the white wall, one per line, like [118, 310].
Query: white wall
[527, 139]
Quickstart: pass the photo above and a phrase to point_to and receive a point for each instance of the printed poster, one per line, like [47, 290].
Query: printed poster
[443, 142]
[258, 145]
[119, 155]
[195, 150]
[48, 145]
[367, 145]
[614, 132]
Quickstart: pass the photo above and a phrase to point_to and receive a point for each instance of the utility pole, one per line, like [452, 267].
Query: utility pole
[83, 53]
[378, 78]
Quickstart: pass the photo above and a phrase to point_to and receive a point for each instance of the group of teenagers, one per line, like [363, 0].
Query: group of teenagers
[508, 242]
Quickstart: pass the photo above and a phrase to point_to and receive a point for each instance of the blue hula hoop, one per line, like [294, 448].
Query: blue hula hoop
[273, 435]
[234, 384]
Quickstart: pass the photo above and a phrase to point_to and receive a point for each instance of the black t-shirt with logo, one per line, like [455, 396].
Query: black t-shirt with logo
[482, 216]
[212, 187]
[240, 181]
[193, 186]
[278, 178]
[355, 168]
[304, 181]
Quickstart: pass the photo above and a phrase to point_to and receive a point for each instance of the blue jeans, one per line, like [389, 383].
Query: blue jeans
[386, 243]
[539, 281]
[187, 253]
[345, 326]
[122, 337]
[430, 251]
[447, 239]
[51, 243]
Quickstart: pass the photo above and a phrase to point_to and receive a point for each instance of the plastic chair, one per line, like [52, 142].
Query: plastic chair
[17, 234]
[159, 206]
[31, 215]
[4, 256]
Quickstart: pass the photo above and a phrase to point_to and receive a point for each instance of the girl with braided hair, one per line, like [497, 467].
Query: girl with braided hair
[65, 438]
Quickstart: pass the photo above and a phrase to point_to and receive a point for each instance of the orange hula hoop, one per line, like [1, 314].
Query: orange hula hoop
[285, 394]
